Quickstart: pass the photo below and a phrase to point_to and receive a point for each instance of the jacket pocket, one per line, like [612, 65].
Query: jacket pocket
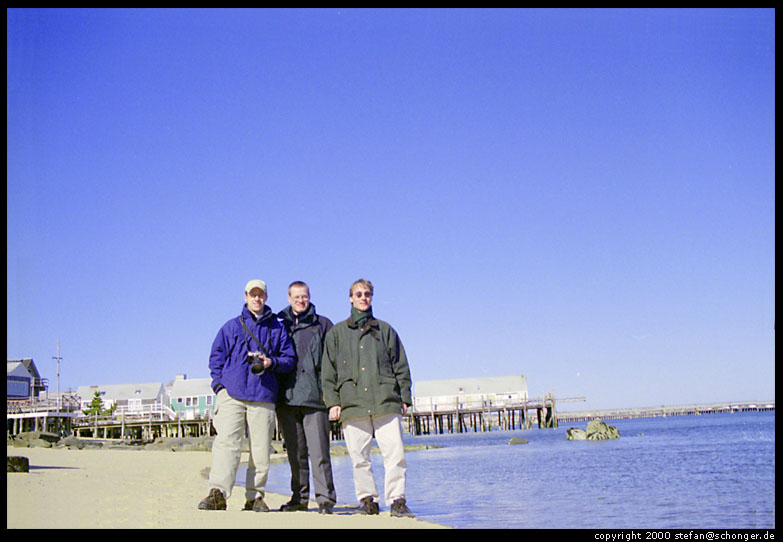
[346, 390]
[390, 390]
[385, 368]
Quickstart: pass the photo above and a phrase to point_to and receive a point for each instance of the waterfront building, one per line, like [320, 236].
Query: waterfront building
[191, 399]
[24, 381]
[469, 393]
[129, 398]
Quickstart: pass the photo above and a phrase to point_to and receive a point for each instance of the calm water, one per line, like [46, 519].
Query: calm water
[711, 471]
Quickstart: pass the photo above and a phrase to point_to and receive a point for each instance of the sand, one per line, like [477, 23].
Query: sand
[140, 489]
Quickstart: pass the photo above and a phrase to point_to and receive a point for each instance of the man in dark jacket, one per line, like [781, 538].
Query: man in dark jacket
[367, 386]
[247, 354]
[301, 412]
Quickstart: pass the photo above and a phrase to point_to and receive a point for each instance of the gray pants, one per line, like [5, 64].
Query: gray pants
[306, 434]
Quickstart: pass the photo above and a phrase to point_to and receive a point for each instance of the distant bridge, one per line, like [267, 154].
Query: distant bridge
[663, 411]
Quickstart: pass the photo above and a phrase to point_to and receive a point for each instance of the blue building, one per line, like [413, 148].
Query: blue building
[24, 380]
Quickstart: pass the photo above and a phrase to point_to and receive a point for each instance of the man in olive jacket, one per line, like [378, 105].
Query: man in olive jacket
[367, 386]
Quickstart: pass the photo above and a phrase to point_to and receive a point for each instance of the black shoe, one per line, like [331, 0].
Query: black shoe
[325, 508]
[294, 506]
[400, 510]
[257, 505]
[216, 500]
[368, 507]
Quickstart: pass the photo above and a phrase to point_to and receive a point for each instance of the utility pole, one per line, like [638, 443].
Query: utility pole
[58, 358]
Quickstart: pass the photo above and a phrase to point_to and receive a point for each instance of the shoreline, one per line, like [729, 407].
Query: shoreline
[126, 489]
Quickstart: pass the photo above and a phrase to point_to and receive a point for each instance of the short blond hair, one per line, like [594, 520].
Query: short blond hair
[364, 282]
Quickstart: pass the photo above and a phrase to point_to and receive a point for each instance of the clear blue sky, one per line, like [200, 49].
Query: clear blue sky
[583, 197]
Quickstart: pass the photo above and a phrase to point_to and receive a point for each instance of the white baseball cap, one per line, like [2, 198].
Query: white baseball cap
[255, 284]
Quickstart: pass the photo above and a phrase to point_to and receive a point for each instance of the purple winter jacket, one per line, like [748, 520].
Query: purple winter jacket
[228, 363]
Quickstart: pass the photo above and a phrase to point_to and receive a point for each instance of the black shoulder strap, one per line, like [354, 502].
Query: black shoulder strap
[247, 329]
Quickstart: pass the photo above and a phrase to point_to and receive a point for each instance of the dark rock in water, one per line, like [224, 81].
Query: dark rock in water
[517, 440]
[18, 464]
[596, 430]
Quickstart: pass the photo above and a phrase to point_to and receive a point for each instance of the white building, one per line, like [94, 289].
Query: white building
[469, 393]
[130, 398]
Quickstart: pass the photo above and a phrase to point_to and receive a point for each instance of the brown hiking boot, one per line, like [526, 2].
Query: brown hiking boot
[400, 510]
[258, 505]
[216, 500]
[368, 507]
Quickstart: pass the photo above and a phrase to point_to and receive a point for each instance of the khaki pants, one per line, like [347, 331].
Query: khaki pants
[388, 433]
[231, 417]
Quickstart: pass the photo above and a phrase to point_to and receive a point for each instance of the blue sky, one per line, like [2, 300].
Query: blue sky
[584, 197]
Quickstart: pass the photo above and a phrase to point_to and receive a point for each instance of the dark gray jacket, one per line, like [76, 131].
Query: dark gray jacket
[302, 387]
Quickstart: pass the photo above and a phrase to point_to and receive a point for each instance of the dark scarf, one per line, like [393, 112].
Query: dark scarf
[359, 318]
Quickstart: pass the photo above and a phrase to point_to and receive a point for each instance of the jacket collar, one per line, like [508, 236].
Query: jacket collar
[309, 317]
[371, 326]
[265, 314]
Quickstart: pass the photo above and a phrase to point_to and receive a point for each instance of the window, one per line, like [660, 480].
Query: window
[209, 400]
[18, 387]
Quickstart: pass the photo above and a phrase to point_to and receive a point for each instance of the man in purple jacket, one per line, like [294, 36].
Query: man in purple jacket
[246, 355]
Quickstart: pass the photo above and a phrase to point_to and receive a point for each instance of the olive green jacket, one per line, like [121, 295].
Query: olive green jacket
[364, 370]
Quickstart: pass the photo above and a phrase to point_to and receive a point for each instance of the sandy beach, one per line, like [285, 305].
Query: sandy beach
[99, 489]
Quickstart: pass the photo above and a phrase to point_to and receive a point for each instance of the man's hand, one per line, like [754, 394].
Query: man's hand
[334, 413]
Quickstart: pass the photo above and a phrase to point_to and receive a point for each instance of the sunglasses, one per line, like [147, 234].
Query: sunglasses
[358, 295]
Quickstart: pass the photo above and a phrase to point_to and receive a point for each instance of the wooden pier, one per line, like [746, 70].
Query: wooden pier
[140, 428]
[504, 417]
[49, 415]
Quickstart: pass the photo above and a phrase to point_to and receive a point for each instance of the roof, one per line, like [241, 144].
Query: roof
[149, 390]
[17, 369]
[191, 387]
[27, 363]
[470, 386]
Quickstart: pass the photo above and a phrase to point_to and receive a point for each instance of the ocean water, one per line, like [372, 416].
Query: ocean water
[680, 472]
